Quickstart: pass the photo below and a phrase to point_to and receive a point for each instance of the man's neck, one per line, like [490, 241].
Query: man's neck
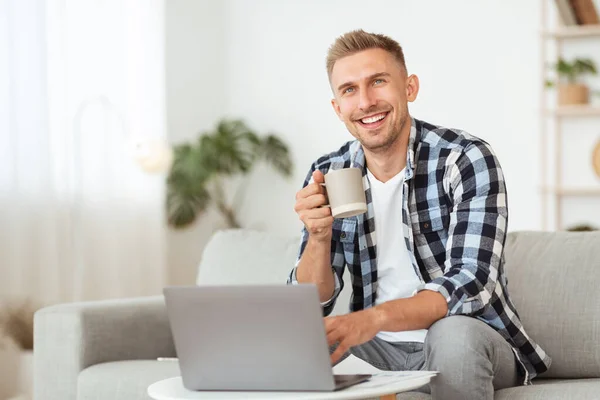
[386, 164]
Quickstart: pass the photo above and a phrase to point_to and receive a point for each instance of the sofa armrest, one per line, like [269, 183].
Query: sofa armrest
[71, 337]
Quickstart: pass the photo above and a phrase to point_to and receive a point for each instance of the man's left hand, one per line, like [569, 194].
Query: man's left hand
[351, 330]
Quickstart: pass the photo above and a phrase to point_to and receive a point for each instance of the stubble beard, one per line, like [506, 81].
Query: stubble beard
[392, 137]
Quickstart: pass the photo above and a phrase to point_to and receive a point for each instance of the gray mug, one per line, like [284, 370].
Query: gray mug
[346, 192]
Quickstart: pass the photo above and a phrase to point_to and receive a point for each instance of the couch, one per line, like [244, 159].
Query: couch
[109, 349]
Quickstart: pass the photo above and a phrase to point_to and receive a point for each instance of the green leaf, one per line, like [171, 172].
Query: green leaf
[276, 153]
[566, 70]
[186, 198]
[573, 70]
[231, 149]
[585, 66]
[187, 162]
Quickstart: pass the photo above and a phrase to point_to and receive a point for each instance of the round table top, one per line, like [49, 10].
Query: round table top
[380, 384]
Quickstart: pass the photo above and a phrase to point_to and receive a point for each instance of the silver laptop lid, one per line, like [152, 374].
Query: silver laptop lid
[250, 337]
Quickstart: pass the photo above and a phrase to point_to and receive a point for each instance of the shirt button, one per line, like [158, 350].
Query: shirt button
[426, 225]
[343, 235]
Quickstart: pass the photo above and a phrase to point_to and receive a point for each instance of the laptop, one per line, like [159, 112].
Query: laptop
[247, 338]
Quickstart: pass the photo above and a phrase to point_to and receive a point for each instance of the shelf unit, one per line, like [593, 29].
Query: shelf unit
[553, 193]
[573, 32]
[575, 111]
[573, 191]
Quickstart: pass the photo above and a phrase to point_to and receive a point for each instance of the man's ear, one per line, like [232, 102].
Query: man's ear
[412, 88]
[336, 108]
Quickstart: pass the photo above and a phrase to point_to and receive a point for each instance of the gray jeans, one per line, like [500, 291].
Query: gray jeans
[473, 359]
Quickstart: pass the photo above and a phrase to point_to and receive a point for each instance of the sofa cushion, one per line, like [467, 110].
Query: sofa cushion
[553, 280]
[241, 256]
[552, 389]
[123, 379]
[246, 257]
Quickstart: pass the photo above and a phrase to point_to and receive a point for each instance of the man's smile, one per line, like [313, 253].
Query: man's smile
[373, 121]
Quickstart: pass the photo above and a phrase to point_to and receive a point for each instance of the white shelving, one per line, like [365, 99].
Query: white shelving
[572, 191]
[576, 111]
[554, 188]
[573, 32]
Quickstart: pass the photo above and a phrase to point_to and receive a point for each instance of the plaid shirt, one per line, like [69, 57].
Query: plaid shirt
[454, 216]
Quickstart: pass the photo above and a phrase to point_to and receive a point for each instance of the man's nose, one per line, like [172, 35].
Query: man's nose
[367, 99]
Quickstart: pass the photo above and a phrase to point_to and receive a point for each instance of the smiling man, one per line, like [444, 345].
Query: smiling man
[426, 260]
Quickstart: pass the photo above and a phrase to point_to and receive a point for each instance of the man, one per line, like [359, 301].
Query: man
[426, 260]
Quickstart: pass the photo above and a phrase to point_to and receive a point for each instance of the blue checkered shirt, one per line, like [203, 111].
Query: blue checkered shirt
[454, 216]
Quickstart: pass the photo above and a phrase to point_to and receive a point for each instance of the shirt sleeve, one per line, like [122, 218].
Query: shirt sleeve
[337, 261]
[476, 232]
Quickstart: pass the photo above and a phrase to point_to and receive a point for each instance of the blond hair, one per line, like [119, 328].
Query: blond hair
[358, 40]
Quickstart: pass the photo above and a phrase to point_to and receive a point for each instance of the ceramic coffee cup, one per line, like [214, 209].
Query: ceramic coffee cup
[346, 192]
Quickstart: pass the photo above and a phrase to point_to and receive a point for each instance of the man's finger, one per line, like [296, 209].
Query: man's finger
[318, 224]
[318, 176]
[339, 352]
[313, 201]
[316, 213]
[331, 323]
[335, 336]
[309, 190]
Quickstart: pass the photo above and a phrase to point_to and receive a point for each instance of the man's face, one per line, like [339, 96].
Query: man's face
[371, 95]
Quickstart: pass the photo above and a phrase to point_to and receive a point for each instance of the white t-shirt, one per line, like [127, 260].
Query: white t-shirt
[395, 274]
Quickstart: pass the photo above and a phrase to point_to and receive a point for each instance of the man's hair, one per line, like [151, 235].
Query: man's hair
[354, 41]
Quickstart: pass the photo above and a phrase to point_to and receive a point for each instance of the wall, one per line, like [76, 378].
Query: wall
[263, 61]
[196, 98]
[477, 63]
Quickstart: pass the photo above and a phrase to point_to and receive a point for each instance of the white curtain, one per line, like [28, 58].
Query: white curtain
[78, 79]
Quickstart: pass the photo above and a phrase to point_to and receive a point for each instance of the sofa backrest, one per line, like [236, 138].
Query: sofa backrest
[554, 282]
[243, 257]
[240, 256]
[553, 279]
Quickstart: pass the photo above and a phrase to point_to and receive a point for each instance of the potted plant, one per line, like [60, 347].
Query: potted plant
[199, 170]
[571, 89]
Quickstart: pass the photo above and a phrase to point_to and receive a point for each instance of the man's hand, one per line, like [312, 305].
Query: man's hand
[309, 201]
[351, 330]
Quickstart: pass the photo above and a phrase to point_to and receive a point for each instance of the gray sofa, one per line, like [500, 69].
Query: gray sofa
[108, 349]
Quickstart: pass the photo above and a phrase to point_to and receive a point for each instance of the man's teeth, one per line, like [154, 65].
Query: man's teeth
[375, 118]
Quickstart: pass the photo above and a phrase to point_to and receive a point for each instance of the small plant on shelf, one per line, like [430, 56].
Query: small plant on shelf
[571, 89]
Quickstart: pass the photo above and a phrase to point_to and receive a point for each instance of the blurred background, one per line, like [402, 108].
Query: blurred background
[98, 98]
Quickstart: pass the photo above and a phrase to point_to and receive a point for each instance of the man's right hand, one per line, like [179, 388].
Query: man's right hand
[309, 207]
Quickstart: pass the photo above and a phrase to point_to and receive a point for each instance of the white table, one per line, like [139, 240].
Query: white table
[381, 384]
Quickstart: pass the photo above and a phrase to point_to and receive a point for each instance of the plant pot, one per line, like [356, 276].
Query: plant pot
[574, 93]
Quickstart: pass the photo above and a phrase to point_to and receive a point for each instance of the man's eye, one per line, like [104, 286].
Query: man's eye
[349, 90]
[378, 81]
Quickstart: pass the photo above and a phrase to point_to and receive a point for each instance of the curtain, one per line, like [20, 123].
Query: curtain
[80, 82]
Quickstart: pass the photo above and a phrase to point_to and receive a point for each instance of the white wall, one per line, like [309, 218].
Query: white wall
[477, 63]
[263, 61]
[196, 98]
